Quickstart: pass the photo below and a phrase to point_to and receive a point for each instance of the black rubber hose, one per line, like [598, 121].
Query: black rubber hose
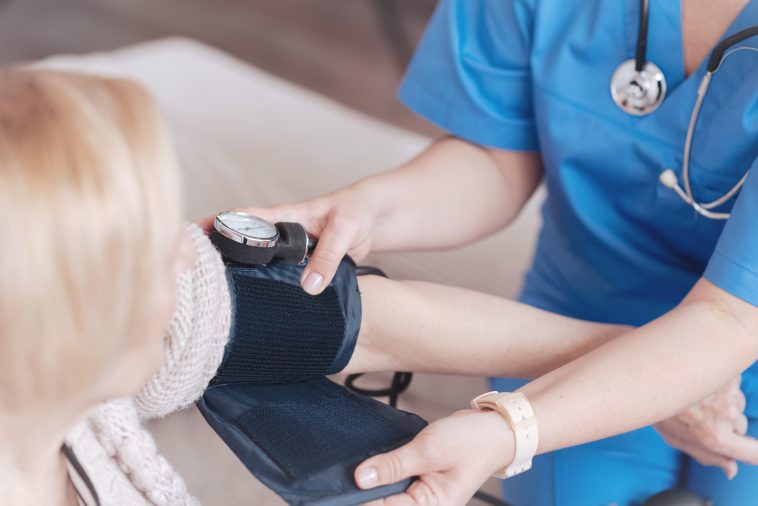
[718, 52]
[640, 55]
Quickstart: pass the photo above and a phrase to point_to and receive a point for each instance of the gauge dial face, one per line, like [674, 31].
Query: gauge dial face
[247, 225]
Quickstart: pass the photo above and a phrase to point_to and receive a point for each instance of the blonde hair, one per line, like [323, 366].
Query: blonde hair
[90, 210]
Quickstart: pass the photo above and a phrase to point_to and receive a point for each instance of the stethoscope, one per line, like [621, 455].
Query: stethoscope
[638, 87]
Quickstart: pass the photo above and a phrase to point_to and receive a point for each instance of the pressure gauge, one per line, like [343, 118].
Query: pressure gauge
[250, 240]
[246, 229]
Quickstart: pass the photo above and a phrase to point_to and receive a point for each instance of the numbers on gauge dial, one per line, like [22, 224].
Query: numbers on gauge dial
[248, 225]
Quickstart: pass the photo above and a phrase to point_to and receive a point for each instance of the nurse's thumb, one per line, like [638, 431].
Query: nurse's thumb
[397, 465]
[730, 469]
[332, 246]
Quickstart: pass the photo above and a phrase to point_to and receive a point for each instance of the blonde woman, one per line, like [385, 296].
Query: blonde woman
[94, 245]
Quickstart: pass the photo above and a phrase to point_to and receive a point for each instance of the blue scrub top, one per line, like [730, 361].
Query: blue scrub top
[616, 246]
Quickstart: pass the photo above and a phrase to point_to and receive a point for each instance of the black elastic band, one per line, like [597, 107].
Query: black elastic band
[640, 55]
[400, 383]
[71, 457]
[366, 270]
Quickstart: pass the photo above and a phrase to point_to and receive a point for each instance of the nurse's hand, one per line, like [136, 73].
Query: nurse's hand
[713, 432]
[452, 458]
[343, 222]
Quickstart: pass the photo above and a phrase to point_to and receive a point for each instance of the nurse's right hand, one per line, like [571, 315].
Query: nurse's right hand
[414, 206]
[344, 223]
[714, 431]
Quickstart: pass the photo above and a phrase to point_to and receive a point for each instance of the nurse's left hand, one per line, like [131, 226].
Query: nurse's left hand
[713, 432]
[452, 458]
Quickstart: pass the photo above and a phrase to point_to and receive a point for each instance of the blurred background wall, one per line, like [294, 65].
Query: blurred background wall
[350, 50]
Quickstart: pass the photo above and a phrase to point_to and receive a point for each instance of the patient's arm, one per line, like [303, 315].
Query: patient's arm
[425, 327]
[406, 325]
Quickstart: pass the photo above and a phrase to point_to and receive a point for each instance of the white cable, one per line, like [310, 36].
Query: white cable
[733, 50]
[669, 180]
[668, 177]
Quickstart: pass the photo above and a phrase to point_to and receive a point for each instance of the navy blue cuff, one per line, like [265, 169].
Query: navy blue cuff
[279, 333]
[299, 433]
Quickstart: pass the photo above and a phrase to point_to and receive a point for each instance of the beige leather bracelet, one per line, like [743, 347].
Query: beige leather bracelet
[517, 411]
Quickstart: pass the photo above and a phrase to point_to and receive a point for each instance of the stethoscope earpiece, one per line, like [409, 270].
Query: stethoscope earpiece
[668, 179]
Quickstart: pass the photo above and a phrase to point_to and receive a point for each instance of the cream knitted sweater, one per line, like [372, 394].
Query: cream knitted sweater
[113, 446]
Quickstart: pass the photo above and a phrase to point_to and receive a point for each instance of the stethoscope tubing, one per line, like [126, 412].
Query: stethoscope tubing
[640, 54]
[720, 52]
[705, 209]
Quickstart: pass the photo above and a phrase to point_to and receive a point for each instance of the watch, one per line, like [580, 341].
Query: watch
[250, 240]
[517, 411]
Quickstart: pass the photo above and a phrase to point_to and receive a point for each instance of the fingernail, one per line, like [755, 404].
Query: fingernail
[313, 282]
[367, 477]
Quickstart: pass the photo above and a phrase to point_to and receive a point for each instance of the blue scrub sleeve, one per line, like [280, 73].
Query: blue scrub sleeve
[471, 76]
[734, 263]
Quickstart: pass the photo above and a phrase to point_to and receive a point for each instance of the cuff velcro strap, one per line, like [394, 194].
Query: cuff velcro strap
[279, 333]
[304, 440]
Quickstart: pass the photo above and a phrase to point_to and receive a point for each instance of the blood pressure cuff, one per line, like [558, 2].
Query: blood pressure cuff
[298, 432]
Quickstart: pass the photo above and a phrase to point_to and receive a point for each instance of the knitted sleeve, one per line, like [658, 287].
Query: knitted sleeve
[195, 337]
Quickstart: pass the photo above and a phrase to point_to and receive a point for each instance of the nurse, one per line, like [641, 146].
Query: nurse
[523, 88]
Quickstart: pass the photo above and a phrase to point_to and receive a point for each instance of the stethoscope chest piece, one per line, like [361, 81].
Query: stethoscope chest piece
[638, 92]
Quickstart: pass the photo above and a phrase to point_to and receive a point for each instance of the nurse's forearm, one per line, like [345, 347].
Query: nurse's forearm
[424, 327]
[648, 374]
[452, 193]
